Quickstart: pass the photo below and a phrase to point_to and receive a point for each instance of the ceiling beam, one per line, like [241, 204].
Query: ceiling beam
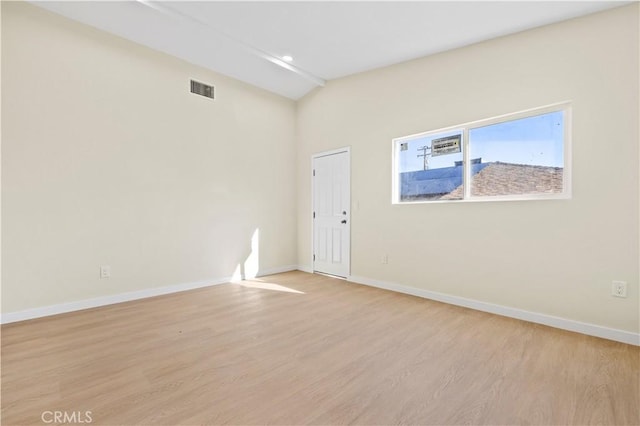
[169, 11]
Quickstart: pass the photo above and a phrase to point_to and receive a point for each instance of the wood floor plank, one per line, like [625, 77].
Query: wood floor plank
[298, 348]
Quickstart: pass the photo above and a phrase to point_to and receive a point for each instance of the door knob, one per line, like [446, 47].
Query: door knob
[344, 221]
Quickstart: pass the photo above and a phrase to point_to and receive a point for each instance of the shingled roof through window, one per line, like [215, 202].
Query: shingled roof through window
[488, 179]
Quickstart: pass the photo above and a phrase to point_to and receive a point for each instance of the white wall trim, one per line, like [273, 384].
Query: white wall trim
[538, 318]
[544, 319]
[330, 152]
[79, 305]
[307, 269]
[278, 270]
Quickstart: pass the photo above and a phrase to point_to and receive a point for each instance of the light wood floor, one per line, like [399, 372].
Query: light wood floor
[334, 353]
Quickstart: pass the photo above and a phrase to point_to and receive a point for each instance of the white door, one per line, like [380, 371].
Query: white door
[331, 213]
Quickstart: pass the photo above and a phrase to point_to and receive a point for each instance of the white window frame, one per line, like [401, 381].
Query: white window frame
[465, 128]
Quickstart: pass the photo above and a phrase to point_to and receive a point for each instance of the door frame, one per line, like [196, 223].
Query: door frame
[346, 149]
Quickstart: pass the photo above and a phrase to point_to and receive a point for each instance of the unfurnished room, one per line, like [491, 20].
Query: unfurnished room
[320, 212]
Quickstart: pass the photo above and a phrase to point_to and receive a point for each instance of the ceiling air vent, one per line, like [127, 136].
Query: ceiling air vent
[202, 89]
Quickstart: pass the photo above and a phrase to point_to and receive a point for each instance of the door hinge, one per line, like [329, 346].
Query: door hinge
[314, 172]
[314, 215]
[314, 257]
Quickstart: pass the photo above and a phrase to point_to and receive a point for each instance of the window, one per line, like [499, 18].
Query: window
[518, 156]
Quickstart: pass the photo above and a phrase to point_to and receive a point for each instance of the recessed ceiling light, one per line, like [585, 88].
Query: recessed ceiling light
[287, 58]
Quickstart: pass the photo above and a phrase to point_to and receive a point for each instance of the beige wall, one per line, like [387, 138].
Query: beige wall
[107, 159]
[556, 257]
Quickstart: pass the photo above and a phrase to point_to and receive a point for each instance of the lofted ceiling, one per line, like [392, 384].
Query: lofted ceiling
[327, 40]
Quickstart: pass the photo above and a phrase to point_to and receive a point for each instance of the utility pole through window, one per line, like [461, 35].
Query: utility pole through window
[425, 156]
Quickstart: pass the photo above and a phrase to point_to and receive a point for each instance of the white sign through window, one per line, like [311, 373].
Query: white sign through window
[446, 145]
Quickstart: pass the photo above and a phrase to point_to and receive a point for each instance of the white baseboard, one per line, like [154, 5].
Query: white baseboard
[278, 270]
[305, 269]
[552, 321]
[79, 305]
[549, 320]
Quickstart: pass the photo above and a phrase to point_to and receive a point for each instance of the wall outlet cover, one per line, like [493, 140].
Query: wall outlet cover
[619, 289]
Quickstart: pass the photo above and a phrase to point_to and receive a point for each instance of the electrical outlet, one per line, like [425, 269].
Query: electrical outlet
[619, 289]
[385, 259]
[105, 271]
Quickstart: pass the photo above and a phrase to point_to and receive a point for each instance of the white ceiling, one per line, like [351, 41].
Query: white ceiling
[327, 40]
